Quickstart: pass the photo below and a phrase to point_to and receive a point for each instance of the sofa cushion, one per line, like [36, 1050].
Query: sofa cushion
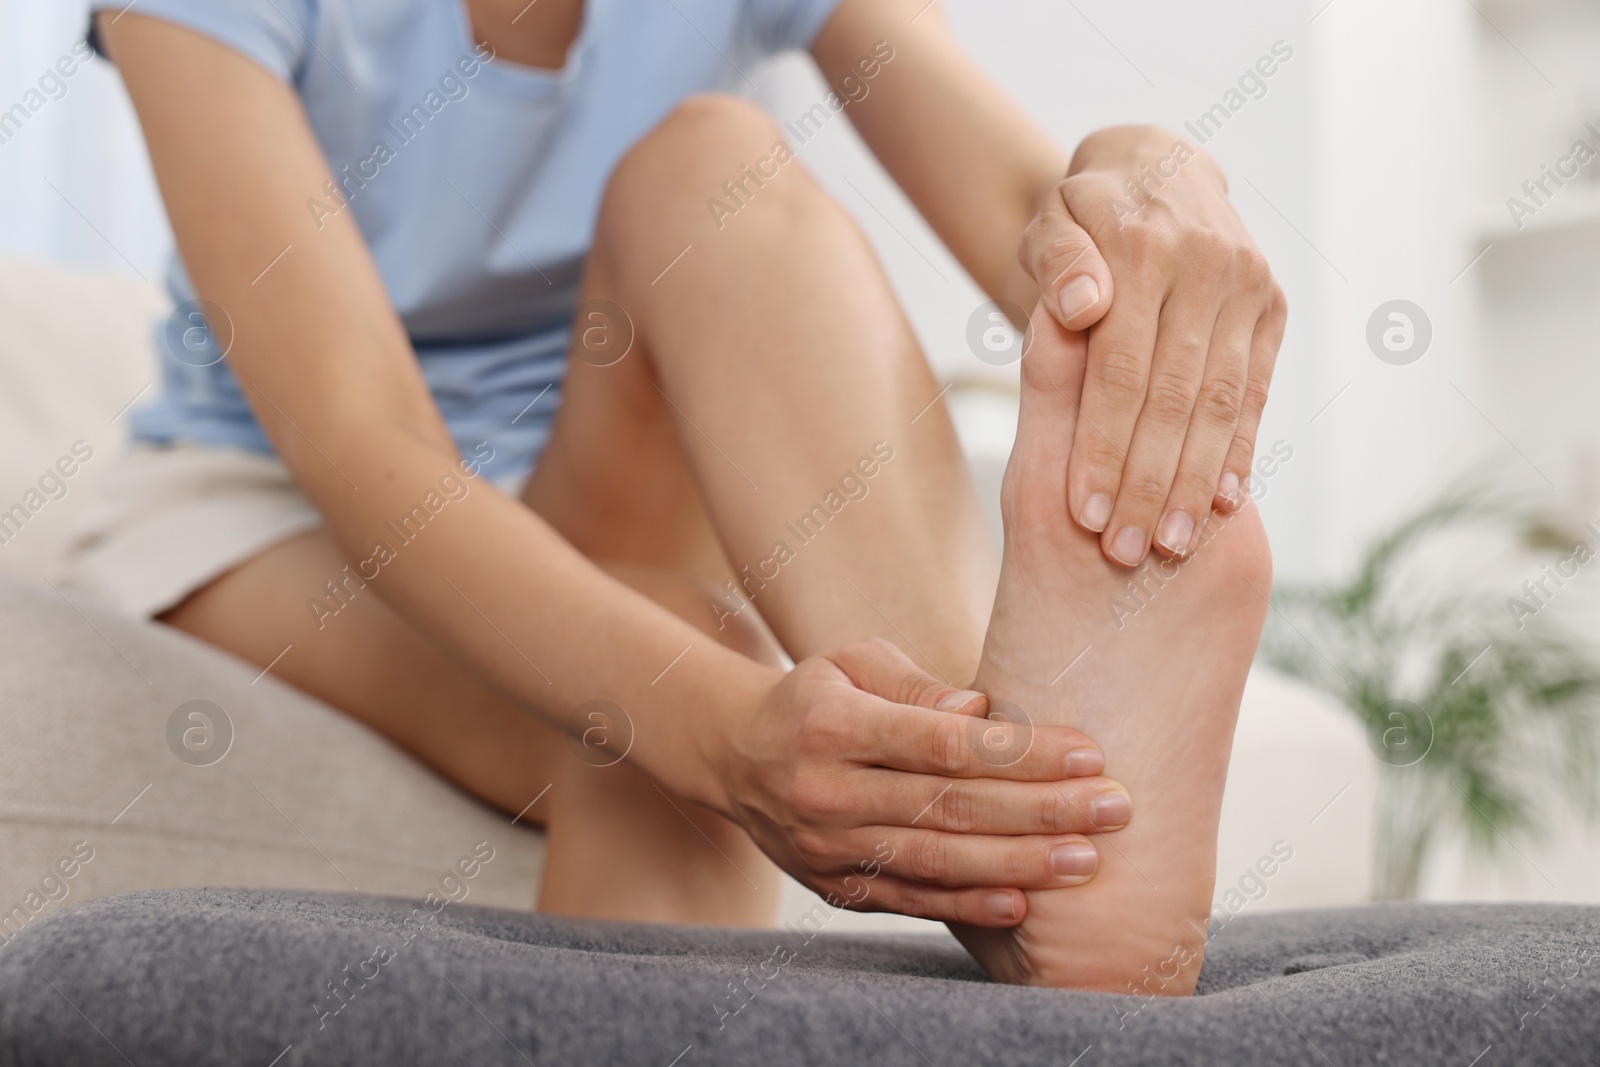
[75, 349]
[102, 759]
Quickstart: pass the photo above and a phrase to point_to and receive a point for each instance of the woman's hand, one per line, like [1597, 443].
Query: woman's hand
[885, 790]
[1140, 242]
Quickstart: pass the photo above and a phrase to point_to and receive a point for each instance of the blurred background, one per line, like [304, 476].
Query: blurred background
[1428, 160]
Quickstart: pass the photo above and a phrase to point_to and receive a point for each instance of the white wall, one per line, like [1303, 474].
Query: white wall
[1162, 63]
[75, 184]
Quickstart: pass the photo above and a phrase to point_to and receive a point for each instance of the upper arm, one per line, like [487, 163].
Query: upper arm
[316, 339]
[966, 154]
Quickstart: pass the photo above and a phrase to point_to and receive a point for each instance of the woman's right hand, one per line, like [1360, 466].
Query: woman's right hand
[883, 789]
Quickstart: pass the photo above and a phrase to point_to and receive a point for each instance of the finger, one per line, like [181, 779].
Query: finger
[994, 908]
[880, 667]
[1212, 426]
[1087, 805]
[963, 746]
[1074, 281]
[1121, 348]
[1264, 343]
[959, 861]
[1177, 368]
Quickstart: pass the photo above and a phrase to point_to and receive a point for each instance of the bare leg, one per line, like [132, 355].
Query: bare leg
[620, 846]
[775, 351]
[1151, 663]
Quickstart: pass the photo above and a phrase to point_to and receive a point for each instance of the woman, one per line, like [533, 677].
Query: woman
[386, 215]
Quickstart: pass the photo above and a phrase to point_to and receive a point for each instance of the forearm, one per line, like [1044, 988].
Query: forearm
[974, 163]
[489, 580]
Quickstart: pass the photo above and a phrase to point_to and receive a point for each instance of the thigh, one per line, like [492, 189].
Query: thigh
[368, 662]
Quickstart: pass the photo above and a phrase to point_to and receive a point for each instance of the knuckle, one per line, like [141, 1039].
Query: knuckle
[1277, 303]
[1150, 236]
[913, 901]
[1212, 248]
[1144, 494]
[1121, 374]
[836, 891]
[1057, 811]
[958, 810]
[949, 745]
[828, 730]
[1170, 399]
[1251, 267]
[1057, 255]
[811, 798]
[928, 857]
[1253, 397]
[1103, 458]
[1220, 401]
[1193, 485]
[914, 688]
[811, 845]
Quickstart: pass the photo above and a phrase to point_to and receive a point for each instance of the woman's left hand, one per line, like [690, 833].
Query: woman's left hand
[1140, 242]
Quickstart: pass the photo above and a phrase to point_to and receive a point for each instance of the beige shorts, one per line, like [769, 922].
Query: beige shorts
[168, 520]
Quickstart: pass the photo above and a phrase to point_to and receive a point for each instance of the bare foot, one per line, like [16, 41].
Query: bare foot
[1151, 663]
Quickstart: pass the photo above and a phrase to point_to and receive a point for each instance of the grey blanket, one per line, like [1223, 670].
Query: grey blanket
[276, 979]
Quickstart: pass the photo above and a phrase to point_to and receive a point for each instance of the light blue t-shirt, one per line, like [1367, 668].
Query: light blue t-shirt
[475, 183]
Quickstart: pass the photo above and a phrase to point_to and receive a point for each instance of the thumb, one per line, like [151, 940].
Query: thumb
[879, 667]
[1074, 281]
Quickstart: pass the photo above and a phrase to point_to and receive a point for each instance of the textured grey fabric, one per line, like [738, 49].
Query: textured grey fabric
[185, 977]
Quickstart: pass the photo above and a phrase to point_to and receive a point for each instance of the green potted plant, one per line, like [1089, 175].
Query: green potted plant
[1481, 706]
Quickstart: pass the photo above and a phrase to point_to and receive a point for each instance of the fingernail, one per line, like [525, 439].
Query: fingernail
[1128, 546]
[957, 700]
[1176, 530]
[1228, 488]
[1074, 859]
[1083, 762]
[1096, 513]
[1077, 296]
[1110, 810]
[1002, 906]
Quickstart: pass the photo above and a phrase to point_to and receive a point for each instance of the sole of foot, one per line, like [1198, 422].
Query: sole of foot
[1150, 662]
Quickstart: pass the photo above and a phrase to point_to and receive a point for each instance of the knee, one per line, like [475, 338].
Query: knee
[711, 149]
[705, 131]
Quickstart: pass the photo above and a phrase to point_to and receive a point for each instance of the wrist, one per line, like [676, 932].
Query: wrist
[729, 701]
[1122, 149]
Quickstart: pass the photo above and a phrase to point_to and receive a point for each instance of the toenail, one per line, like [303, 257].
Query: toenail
[1111, 809]
[1096, 513]
[1175, 533]
[1074, 859]
[1002, 907]
[1127, 547]
[1083, 762]
[1228, 488]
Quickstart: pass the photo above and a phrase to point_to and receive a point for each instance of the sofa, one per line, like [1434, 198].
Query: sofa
[199, 863]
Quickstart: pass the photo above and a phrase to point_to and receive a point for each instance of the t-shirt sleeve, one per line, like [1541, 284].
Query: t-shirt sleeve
[784, 24]
[275, 34]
